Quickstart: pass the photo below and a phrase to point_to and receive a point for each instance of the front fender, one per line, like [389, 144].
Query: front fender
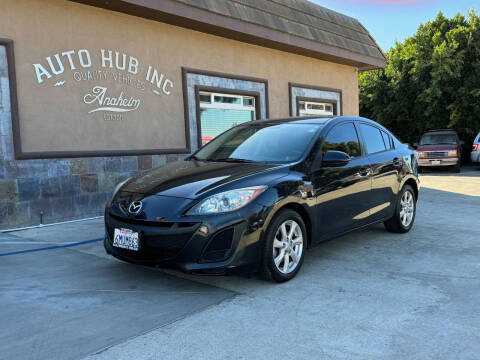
[294, 194]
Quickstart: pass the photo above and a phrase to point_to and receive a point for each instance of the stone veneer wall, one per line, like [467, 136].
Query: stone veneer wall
[59, 189]
[63, 189]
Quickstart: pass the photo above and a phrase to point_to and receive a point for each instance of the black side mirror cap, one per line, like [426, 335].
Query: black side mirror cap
[334, 158]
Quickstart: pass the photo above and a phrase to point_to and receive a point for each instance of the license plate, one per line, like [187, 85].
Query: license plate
[436, 162]
[126, 239]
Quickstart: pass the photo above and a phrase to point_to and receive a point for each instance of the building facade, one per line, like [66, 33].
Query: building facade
[93, 92]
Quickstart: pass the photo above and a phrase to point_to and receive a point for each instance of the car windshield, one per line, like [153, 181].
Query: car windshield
[438, 139]
[264, 143]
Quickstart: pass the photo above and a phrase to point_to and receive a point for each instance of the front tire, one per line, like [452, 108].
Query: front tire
[405, 211]
[284, 246]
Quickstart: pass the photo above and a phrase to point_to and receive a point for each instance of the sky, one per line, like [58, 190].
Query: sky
[390, 20]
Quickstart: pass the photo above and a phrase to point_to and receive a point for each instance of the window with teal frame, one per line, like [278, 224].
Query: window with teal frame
[220, 112]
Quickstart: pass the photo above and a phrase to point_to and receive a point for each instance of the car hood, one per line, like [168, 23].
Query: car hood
[436, 147]
[191, 179]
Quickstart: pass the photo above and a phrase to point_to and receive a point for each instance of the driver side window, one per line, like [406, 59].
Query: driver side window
[344, 138]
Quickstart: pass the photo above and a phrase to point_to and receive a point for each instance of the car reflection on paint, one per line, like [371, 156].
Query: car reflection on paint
[255, 198]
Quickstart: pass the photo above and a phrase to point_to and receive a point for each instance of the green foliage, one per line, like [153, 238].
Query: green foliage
[432, 81]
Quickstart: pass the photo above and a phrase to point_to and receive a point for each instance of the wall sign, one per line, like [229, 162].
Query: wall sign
[98, 100]
[76, 66]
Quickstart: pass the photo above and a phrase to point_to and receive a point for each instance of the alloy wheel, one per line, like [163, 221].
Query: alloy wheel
[407, 208]
[288, 246]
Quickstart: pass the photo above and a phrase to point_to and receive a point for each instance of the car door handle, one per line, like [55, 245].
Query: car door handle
[397, 162]
[363, 172]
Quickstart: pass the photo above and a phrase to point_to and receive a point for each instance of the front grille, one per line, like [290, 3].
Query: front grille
[149, 253]
[158, 224]
[160, 242]
[435, 154]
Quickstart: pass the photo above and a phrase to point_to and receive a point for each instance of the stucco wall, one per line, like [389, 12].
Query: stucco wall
[41, 29]
[54, 118]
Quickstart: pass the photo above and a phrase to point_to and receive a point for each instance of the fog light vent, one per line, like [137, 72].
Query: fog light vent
[219, 246]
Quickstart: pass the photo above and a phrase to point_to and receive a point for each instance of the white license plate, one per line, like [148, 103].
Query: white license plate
[436, 162]
[126, 239]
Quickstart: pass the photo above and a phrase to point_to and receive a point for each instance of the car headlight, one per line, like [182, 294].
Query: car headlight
[118, 188]
[452, 153]
[226, 201]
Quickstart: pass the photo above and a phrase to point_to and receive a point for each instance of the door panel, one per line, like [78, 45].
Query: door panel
[342, 196]
[385, 183]
[385, 165]
[342, 192]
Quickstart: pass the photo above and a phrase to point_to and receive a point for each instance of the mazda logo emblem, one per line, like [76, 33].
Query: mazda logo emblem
[135, 207]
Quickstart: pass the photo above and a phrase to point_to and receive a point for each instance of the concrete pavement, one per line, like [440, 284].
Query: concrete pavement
[466, 182]
[62, 297]
[367, 295]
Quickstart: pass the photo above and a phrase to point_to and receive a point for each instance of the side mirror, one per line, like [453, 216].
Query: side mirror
[334, 158]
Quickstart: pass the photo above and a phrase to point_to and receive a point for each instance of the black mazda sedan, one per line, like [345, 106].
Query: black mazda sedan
[260, 194]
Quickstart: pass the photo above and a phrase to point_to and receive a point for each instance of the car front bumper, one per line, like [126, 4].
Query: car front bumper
[438, 162]
[217, 245]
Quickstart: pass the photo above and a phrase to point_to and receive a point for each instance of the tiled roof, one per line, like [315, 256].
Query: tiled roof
[297, 26]
[301, 18]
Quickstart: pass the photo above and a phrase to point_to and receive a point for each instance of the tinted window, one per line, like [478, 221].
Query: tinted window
[343, 138]
[271, 143]
[386, 139]
[373, 138]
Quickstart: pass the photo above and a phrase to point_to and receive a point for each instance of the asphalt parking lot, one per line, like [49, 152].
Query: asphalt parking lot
[367, 295]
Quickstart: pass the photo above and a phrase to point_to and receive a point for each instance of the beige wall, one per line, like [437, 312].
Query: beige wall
[55, 118]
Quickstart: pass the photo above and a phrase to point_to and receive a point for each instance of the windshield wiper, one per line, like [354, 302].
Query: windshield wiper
[237, 160]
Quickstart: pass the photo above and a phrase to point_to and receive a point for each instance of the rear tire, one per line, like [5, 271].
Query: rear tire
[284, 246]
[405, 211]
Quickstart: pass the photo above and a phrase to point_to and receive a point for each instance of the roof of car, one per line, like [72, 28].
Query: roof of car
[311, 120]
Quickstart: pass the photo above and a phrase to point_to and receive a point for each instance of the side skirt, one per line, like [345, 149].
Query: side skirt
[332, 237]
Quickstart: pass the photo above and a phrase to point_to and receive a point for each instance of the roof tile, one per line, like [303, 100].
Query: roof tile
[300, 18]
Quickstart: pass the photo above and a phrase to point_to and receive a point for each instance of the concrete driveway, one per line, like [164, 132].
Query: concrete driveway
[367, 295]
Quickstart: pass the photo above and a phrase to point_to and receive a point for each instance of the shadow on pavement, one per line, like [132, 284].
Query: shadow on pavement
[65, 304]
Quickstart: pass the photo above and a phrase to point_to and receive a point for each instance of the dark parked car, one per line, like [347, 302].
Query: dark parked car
[257, 196]
[440, 148]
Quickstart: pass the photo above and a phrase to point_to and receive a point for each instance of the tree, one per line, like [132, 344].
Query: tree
[432, 81]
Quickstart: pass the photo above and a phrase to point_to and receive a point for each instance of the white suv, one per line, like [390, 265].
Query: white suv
[475, 154]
